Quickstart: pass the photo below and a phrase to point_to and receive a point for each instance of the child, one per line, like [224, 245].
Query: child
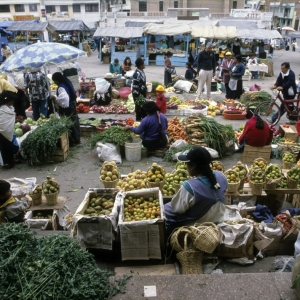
[190, 73]
[161, 99]
[11, 209]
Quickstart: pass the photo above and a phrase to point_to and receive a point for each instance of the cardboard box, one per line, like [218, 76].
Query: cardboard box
[251, 153]
[289, 133]
[142, 240]
[46, 223]
[97, 232]
[279, 246]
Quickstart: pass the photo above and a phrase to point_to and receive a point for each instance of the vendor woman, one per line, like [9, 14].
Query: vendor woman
[257, 133]
[152, 128]
[199, 199]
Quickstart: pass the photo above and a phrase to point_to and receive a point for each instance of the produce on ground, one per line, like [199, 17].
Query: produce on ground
[50, 186]
[88, 122]
[180, 176]
[83, 108]
[252, 99]
[114, 135]
[50, 267]
[232, 176]
[174, 99]
[130, 121]
[41, 143]
[282, 184]
[294, 173]
[259, 163]
[273, 171]
[240, 169]
[168, 187]
[100, 206]
[288, 157]
[120, 109]
[176, 131]
[156, 173]
[257, 175]
[42, 216]
[37, 190]
[141, 208]
[134, 181]
[181, 166]
[171, 152]
[140, 100]
[155, 84]
[217, 166]
[109, 172]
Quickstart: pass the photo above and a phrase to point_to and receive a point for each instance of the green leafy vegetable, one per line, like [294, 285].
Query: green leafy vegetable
[140, 100]
[170, 152]
[155, 84]
[52, 267]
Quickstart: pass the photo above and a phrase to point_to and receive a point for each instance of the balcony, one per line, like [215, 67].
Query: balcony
[148, 14]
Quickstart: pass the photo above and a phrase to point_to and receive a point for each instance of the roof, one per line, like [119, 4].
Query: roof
[33, 25]
[166, 29]
[120, 32]
[70, 25]
[139, 24]
[213, 32]
[5, 24]
[258, 34]
[241, 24]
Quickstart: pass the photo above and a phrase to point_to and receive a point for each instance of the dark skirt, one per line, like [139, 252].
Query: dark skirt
[7, 150]
[239, 90]
[21, 104]
[72, 113]
[168, 78]
[156, 144]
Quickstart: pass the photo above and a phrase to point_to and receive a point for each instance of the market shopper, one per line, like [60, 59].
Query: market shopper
[6, 52]
[199, 199]
[38, 92]
[139, 87]
[225, 67]
[206, 70]
[126, 65]
[286, 83]
[190, 73]
[253, 60]
[66, 100]
[7, 123]
[169, 69]
[152, 128]
[257, 133]
[161, 99]
[115, 67]
[69, 69]
[236, 73]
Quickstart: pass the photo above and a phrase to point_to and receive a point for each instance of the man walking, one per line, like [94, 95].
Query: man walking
[36, 84]
[206, 70]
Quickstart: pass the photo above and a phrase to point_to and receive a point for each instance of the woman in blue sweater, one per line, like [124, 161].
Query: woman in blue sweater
[236, 72]
[152, 128]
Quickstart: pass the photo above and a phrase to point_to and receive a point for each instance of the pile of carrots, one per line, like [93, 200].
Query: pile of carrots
[176, 131]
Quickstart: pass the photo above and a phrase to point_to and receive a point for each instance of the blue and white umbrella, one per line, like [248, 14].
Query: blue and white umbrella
[38, 55]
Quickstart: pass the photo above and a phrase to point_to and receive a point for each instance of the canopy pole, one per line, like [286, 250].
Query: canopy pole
[48, 86]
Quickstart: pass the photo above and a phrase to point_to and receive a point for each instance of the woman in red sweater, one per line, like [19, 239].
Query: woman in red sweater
[257, 133]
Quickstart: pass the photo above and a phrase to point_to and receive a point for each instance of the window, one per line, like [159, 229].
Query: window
[50, 9]
[234, 4]
[76, 8]
[32, 7]
[161, 6]
[64, 8]
[91, 8]
[142, 5]
[4, 8]
[19, 8]
[175, 4]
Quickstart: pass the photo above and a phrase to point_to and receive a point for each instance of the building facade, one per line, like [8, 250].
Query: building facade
[284, 14]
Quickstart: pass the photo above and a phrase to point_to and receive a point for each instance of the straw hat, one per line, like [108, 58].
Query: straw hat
[160, 88]
[228, 53]
[108, 76]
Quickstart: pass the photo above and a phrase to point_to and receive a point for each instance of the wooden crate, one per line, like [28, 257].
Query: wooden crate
[289, 133]
[279, 246]
[251, 153]
[106, 59]
[296, 201]
[87, 130]
[246, 250]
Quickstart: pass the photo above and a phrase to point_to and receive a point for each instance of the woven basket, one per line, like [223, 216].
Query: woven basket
[256, 188]
[109, 168]
[36, 198]
[51, 199]
[177, 239]
[156, 184]
[287, 165]
[190, 260]
[160, 184]
[221, 164]
[232, 187]
[259, 160]
[180, 163]
[291, 183]
[176, 172]
[207, 236]
[242, 182]
[271, 183]
[109, 184]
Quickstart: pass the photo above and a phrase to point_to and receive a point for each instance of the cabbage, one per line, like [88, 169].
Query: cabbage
[25, 128]
[17, 125]
[18, 132]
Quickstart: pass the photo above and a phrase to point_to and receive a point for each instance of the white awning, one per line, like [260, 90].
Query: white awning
[166, 29]
[213, 32]
[258, 34]
[119, 32]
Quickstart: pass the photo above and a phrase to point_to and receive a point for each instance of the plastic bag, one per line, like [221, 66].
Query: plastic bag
[178, 144]
[213, 153]
[108, 152]
[297, 245]
[183, 85]
[125, 92]
[255, 88]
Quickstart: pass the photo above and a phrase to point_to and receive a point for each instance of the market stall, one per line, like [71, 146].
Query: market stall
[130, 46]
[167, 33]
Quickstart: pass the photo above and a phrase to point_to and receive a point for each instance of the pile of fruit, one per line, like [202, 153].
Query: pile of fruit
[259, 163]
[138, 208]
[180, 176]
[134, 181]
[240, 169]
[217, 166]
[213, 110]
[294, 173]
[109, 171]
[38, 189]
[181, 166]
[273, 172]
[175, 99]
[100, 206]
[282, 184]
[42, 216]
[50, 186]
[168, 188]
[288, 157]
[257, 175]
[156, 173]
[232, 176]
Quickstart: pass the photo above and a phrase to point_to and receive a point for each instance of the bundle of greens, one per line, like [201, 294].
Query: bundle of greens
[114, 135]
[252, 99]
[52, 267]
[42, 142]
[171, 152]
[140, 100]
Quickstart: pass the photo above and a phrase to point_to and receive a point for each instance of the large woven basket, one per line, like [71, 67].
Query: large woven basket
[109, 184]
[206, 236]
[51, 199]
[291, 183]
[271, 183]
[287, 165]
[258, 160]
[218, 163]
[177, 238]
[159, 184]
[36, 198]
[176, 172]
[109, 168]
[242, 182]
[256, 188]
[190, 260]
[156, 184]
[232, 187]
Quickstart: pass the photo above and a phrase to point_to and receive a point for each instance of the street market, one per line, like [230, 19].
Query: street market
[124, 194]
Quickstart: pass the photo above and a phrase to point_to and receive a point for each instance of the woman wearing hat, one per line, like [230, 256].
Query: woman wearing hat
[227, 63]
[139, 87]
[236, 73]
[161, 99]
[199, 199]
[152, 128]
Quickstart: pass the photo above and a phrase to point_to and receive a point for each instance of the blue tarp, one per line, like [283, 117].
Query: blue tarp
[5, 24]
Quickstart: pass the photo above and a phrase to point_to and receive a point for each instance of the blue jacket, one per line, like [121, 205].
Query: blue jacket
[115, 69]
[190, 74]
[287, 82]
[238, 72]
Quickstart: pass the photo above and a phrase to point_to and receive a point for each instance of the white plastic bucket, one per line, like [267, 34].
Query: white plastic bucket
[149, 87]
[133, 151]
